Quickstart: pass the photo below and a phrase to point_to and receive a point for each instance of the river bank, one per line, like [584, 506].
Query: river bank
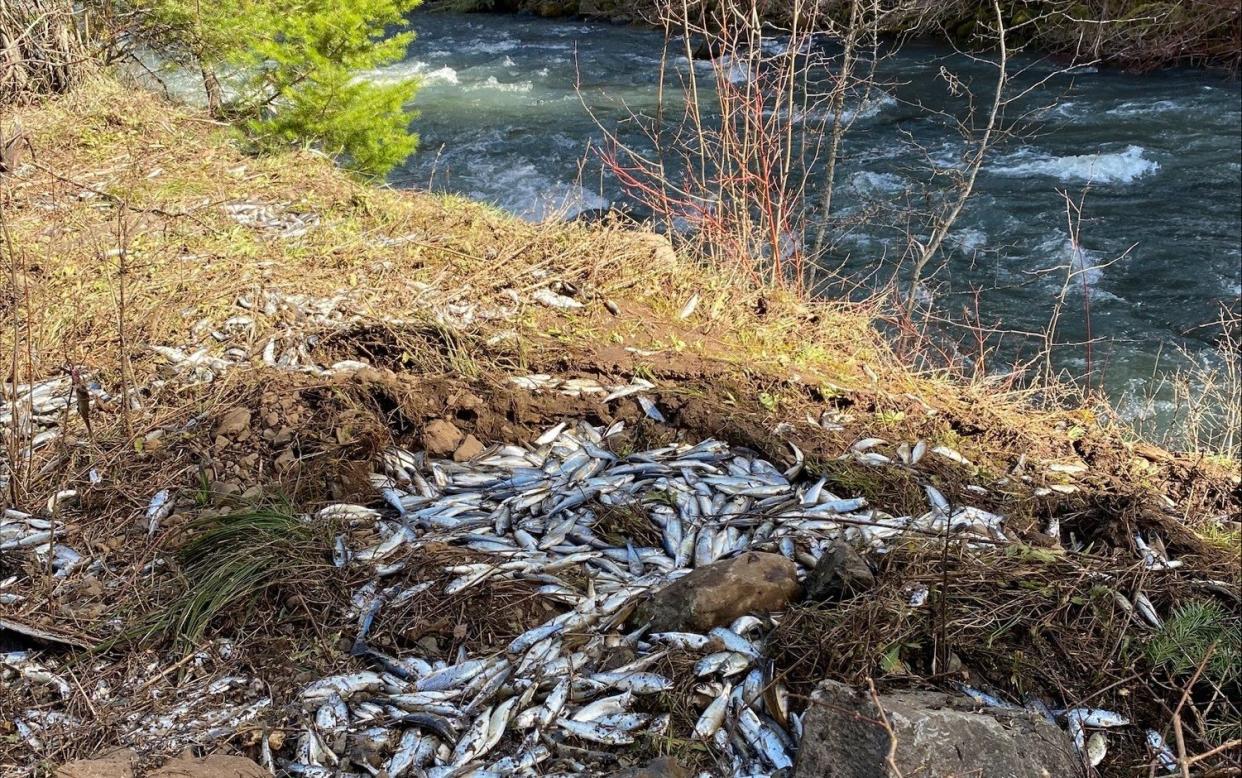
[237, 371]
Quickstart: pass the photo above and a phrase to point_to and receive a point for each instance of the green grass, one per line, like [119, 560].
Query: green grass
[228, 563]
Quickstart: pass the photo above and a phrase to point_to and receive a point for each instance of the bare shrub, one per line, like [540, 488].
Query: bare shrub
[41, 48]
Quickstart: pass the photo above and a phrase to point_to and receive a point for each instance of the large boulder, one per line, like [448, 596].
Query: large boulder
[718, 593]
[936, 734]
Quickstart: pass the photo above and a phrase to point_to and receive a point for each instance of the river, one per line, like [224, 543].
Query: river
[504, 120]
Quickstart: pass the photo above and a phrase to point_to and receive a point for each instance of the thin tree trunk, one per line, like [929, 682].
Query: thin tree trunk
[211, 85]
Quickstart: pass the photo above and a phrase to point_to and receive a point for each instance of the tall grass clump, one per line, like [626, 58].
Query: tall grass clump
[229, 563]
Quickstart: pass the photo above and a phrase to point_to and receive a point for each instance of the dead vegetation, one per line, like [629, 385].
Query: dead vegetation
[41, 49]
[117, 239]
[1033, 622]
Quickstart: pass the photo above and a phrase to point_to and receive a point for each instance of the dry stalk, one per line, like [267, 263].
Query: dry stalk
[41, 49]
[890, 758]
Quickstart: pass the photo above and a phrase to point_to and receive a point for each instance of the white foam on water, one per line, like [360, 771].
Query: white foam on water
[1145, 107]
[489, 47]
[1121, 167]
[530, 195]
[410, 69]
[968, 240]
[502, 86]
[876, 102]
[869, 183]
[869, 108]
[1083, 263]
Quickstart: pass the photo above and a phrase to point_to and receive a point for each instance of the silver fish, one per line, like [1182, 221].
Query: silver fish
[713, 715]
[596, 733]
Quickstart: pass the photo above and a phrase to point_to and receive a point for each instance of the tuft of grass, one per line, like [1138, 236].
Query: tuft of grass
[228, 564]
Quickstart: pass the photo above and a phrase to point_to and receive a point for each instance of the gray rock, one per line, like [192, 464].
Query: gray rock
[936, 734]
[841, 572]
[718, 593]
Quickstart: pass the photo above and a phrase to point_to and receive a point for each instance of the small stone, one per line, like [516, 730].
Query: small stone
[718, 593]
[283, 436]
[441, 438]
[116, 764]
[840, 573]
[469, 449]
[214, 766]
[223, 490]
[285, 461]
[233, 422]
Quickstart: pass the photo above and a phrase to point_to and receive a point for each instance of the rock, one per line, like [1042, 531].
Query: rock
[718, 593]
[223, 490]
[661, 767]
[469, 449]
[285, 461]
[598, 8]
[936, 734]
[841, 572]
[552, 8]
[707, 49]
[660, 247]
[116, 764]
[234, 422]
[441, 438]
[214, 766]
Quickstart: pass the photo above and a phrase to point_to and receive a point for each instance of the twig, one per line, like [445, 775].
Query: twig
[890, 758]
[1213, 752]
[1181, 745]
[1182, 761]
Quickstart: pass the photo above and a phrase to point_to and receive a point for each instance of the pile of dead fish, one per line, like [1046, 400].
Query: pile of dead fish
[205, 704]
[275, 218]
[21, 531]
[549, 703]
